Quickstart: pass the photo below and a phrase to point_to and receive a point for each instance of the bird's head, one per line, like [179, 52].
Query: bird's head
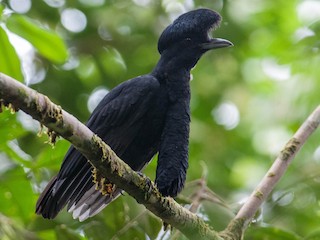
[191, 31]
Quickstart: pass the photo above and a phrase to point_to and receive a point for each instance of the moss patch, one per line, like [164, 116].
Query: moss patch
[290, 149]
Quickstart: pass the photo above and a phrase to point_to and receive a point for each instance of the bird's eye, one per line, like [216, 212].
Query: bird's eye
[187, 41]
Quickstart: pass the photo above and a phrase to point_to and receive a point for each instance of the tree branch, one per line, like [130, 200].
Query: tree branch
[246, 213]
[103, 158]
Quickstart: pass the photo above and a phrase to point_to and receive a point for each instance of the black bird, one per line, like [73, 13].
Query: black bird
[138, 118]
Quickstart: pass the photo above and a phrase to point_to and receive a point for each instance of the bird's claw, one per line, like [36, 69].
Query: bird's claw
[148, 185]
[167, 226]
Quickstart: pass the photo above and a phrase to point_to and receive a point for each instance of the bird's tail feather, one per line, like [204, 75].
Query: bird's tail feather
[83, 199]
[42, 206]
[91, 203]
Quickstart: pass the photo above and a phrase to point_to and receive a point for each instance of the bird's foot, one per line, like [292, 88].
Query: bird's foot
[169, 187]
[148, 186]
[141, 174]
[167, 226]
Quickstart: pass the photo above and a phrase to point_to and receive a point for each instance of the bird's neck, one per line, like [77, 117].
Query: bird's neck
[175, 65]
[175, 76]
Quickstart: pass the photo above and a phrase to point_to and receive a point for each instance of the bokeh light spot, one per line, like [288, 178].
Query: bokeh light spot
[28, 122]
[275, 71]
[302, 33]
[271, 140]
[55, 3]
[227, 115]
[20, 6]
[309, 11]
[96, 96]
[73, 20]
[316, 154]
[73, 60]
[283, 198]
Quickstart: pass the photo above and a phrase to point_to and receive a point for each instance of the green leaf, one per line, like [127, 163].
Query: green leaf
[51, 158]
[12, 229]
[16, 196]
[97, 230]
[1, 9]
[112, 62]
[10, 129]
[9, 61]
[150, 225]
[314, 235]
[48, 43]
[65, 233]
[269, 233]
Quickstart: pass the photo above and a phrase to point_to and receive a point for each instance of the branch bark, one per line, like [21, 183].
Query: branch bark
[103, 158]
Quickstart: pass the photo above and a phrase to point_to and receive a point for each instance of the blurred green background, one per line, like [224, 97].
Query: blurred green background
[247, 101]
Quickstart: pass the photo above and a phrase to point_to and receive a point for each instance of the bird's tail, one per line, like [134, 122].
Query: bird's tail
[83, 199]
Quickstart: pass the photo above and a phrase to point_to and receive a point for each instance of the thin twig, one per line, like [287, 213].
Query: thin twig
[278, 168]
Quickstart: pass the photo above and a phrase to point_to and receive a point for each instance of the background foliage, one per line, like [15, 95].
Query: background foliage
[246, 103]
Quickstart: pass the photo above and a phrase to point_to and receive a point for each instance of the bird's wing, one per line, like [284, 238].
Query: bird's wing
[116, 116]
[114, 120]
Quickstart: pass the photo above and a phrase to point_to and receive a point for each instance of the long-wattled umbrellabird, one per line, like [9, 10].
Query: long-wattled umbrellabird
[137, 119]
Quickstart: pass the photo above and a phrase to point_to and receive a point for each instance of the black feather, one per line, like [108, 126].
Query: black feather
[138, 118]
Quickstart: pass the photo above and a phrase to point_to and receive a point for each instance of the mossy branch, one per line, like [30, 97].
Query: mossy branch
[102, 158]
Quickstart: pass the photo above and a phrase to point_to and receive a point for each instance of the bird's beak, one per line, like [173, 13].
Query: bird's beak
[216, 43]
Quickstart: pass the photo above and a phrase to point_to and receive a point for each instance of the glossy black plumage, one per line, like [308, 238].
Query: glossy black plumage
[138, 118]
